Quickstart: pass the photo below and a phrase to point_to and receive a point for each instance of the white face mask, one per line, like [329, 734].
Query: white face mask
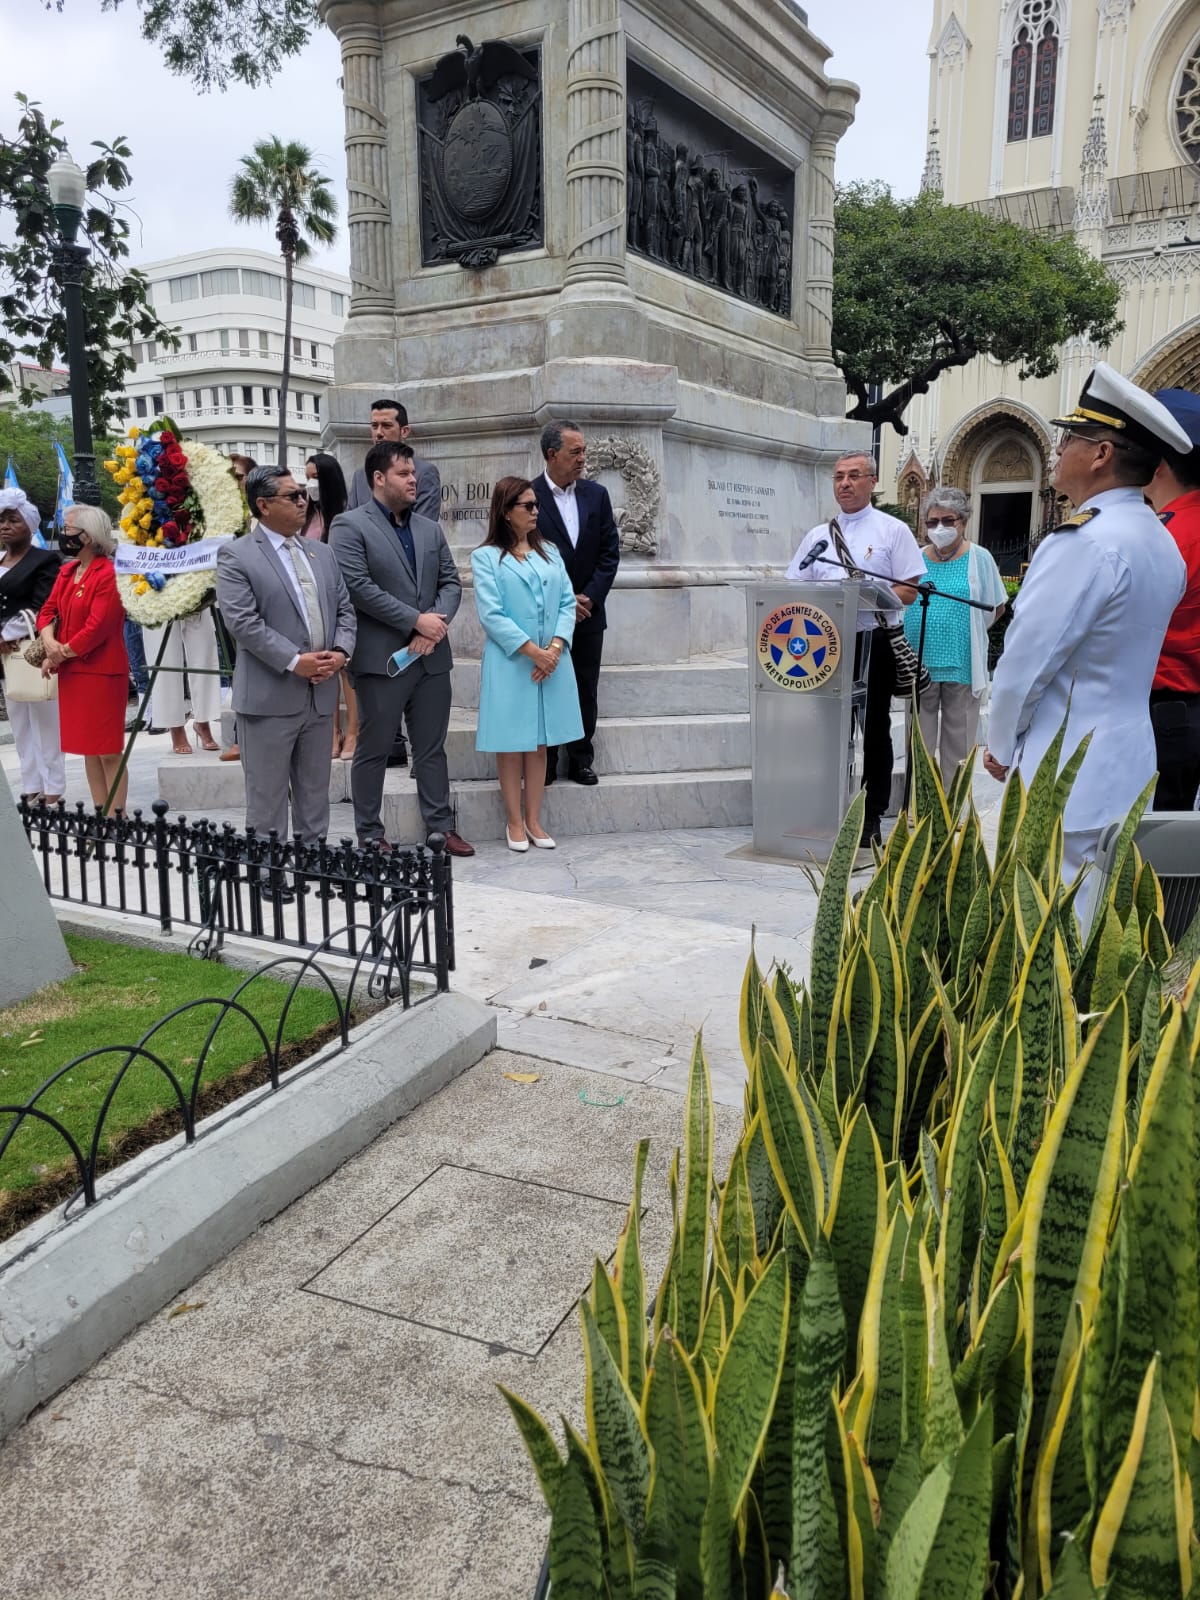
[944, 538]
[313, 488]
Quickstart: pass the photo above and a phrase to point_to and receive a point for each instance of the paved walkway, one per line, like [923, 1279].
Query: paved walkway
[611, 951]
[324, 1421]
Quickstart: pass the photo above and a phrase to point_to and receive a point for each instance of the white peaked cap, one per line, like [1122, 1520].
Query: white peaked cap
[1110, 401]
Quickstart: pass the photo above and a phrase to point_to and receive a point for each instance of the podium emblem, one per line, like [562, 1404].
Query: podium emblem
[798, 646]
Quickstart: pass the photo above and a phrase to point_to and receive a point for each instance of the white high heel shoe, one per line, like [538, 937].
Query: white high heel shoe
[520, 846]
[544, 843]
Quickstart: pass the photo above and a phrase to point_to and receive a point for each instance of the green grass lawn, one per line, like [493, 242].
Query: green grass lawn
[118, 994]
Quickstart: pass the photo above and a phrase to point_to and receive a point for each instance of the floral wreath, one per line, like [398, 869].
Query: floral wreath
[172, 496]
[637, 519]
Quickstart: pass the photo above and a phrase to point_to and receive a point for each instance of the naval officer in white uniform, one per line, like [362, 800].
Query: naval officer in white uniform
[868, 538]
[1089, 621]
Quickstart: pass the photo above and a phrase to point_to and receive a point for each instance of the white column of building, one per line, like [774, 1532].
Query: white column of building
[595, 142]
[1089, 222]
[368, 206]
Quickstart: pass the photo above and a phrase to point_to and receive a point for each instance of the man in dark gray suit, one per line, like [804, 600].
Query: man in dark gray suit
[405, 588]
[389, 420]
[283, 599]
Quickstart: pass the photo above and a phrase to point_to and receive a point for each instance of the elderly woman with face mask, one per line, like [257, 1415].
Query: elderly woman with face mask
[82, 625]
[27, 576]
[955, 635]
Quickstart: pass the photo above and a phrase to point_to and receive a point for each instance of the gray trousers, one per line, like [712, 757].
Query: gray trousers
[422, 700]
[949, 724]
[284, 755]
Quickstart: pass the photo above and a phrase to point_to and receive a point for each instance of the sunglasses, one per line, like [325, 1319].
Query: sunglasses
[294, 495]
[941, 522]
[525, 505]
[1066, 434]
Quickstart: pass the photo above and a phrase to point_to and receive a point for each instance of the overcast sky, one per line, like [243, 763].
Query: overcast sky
[95, 74]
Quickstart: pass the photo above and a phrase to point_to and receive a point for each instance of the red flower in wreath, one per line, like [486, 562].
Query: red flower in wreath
[174, 456]
[172, 533]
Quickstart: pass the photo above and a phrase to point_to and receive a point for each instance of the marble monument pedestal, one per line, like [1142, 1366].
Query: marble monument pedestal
[655, 267]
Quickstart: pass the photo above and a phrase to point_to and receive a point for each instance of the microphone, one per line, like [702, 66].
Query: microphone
[814, 554]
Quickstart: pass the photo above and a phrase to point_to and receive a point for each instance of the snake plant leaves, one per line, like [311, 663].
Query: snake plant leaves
[957, 1564]
[1042, 807]
[631, 1278]
[1035, 1024]
[1139, 1547]
[539, 1441]
[1067, 1209]
[675, 1423]
[832, 908]
[614, 1428]
[814, 1566]
[748, 1379]
[885, 1081]
[1162, 1206]
[609, 1314]
[716, 1540]
[857, 1217]
[750, 1011]
[878, 1418]
[909, 1550]
[791, 1143]
[655, 1575]
[576, 1556]
[692, 1260]
[1072, 1580]
[735, 1216]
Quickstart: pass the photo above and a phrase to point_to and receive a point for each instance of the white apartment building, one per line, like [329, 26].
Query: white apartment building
[222, 384]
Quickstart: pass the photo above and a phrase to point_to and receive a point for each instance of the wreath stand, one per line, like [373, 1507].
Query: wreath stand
[223, 669]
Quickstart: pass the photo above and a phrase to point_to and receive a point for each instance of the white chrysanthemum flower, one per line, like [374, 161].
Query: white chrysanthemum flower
[180, 596]
[216, 489]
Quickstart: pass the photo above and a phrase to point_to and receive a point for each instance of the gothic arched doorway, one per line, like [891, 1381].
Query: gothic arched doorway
[1000, 456]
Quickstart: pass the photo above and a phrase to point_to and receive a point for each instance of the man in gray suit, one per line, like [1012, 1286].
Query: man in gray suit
[283, 599]
[389, 420]
[405, 587]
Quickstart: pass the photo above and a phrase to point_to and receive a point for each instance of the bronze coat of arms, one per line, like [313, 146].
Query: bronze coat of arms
[479, 116]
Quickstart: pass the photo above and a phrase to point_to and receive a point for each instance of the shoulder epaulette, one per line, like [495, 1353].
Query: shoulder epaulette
[1079, 519]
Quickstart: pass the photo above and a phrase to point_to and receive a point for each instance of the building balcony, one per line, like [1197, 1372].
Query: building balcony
[207, 416]
[217, 360]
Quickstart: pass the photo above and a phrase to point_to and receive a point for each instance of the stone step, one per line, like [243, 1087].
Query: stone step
[627, 745]
[701, 685]
[619, 803]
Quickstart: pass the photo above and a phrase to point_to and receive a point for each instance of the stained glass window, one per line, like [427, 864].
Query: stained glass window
[1018, 87]
[1033, 75]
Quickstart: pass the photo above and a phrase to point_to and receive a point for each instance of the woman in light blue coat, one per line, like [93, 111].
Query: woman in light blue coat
[527, 695]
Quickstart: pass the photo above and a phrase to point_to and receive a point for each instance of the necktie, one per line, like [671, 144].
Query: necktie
[316, 627]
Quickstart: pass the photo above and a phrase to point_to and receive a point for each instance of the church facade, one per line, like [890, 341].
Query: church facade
[1068, 116]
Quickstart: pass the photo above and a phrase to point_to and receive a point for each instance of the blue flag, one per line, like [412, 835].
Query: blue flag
[10, 476]
[66, 487]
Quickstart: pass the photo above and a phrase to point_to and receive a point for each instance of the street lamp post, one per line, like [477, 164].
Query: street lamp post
[68, 186]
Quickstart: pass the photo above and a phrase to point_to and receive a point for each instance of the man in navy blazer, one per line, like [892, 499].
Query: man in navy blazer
[578, 515]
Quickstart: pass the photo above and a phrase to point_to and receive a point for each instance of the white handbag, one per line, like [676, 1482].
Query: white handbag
[23, 682]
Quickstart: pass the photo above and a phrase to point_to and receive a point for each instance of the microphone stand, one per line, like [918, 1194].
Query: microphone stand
[925, 592]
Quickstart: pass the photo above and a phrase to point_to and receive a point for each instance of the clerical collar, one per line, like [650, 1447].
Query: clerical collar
[396, 522]
[845, 517]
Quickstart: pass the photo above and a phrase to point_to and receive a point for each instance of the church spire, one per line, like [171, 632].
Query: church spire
[1091, 197]
[931, 178]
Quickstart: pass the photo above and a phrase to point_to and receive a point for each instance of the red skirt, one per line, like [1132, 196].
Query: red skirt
[91, 711]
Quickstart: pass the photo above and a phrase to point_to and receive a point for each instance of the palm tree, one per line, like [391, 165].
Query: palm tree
[278, 182]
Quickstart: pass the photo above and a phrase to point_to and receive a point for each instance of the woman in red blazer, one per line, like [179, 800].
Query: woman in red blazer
[82, 625]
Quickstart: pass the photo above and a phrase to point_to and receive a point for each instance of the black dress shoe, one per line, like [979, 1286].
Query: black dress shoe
[871, 832]
[284, 896]
[583, 775]
[398, 757]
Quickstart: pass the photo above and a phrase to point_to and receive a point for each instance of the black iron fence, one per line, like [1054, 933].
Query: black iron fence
[380, 975]
[339, 899]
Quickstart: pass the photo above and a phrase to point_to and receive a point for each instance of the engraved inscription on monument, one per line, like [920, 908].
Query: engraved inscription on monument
[704, 200]
[479, 121]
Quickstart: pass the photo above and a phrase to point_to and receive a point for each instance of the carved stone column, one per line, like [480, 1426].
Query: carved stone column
[368, 205]
[818, 332]
[595, 142]
[818, 288]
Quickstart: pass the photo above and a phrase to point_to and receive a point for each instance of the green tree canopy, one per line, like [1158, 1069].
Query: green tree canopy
[27, 439]
[117, 308]
[215, 41]
[920, 287]
[279, 184]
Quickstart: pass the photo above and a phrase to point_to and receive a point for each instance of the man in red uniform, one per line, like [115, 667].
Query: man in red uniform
[1174, 492]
